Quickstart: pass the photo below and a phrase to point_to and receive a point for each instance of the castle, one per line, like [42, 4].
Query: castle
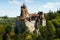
[31, 20]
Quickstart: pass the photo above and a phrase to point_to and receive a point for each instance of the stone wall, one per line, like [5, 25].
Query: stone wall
[30, 25]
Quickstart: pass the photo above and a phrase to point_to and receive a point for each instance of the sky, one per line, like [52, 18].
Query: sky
[12, 8]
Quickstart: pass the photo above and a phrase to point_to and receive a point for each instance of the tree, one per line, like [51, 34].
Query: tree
[51, 15]
[58, 11]
[2, 31]
[56, 22]
[51, 30]
[43, 33]
[58, 32]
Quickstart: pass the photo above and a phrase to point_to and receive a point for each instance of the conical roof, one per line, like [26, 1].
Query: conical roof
[23, 6]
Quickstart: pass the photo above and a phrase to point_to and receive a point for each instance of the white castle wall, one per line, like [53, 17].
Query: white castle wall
[43, 22]
[30, 25]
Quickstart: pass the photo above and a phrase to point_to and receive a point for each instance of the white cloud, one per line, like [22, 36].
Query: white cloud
[16, 2]
[29, 1]
[48, 5]
[53, 6]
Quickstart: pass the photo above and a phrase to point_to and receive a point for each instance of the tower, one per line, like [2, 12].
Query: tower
[42, 18]
[23, 10]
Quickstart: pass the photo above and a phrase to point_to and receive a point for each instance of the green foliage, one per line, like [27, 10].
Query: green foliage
[26, 36]
[57, 39]
[0, 37]
[53, 15]
[51, 30]
[43, 32]
[50, 15]
[2, 29]
[6, 26]
[51, 27]
[56, 23]
[58, 32]
[58, 11]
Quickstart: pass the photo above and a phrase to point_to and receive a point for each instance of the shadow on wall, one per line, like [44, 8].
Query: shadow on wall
[20, 27]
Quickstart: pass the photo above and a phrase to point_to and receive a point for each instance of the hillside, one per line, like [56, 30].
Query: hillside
[50, 32]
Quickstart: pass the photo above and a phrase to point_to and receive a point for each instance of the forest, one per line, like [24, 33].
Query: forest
[50, 32]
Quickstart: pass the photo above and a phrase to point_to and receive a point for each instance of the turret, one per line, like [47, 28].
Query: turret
[23, 10]
[41, 15]
[42, 18]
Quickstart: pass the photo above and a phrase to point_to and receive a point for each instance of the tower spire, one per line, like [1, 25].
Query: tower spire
[23, 10]
[24, 4]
